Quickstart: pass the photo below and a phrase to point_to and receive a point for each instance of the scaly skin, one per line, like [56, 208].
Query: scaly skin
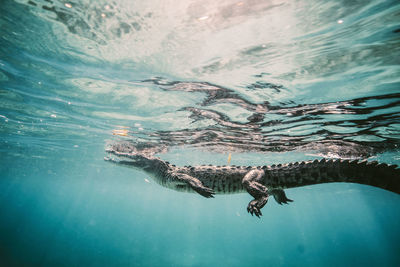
[261, 181]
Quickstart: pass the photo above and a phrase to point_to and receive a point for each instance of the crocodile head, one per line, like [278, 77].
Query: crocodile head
[126, 154]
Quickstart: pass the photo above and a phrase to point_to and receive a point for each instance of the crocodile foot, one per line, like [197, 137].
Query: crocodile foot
[204, 191]
[253, 209]
[255, 206]
[197, 185]
[280, 196]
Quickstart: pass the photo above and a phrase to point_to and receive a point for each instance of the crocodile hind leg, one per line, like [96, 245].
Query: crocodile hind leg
[252, 182]
[280, 196]
[256, 205]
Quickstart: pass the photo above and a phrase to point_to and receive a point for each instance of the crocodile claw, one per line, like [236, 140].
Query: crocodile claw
[253, 209]
[198, 186]
[284, 201]
[280, 196]
[204, 191]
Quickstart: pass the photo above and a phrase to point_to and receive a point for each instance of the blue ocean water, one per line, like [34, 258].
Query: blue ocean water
[262, 81]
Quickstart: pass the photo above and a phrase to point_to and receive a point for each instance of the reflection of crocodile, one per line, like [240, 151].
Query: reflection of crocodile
[357, 127]
[262, 181]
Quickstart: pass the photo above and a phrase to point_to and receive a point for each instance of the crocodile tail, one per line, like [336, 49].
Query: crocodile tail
[305, 173]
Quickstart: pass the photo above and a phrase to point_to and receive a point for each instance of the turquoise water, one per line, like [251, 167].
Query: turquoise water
[264, 81]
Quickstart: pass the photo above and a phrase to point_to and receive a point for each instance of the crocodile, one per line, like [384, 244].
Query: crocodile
[259, 181]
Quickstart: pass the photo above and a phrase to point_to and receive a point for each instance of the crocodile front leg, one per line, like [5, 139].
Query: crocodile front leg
[252, 182]
[196, 185]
